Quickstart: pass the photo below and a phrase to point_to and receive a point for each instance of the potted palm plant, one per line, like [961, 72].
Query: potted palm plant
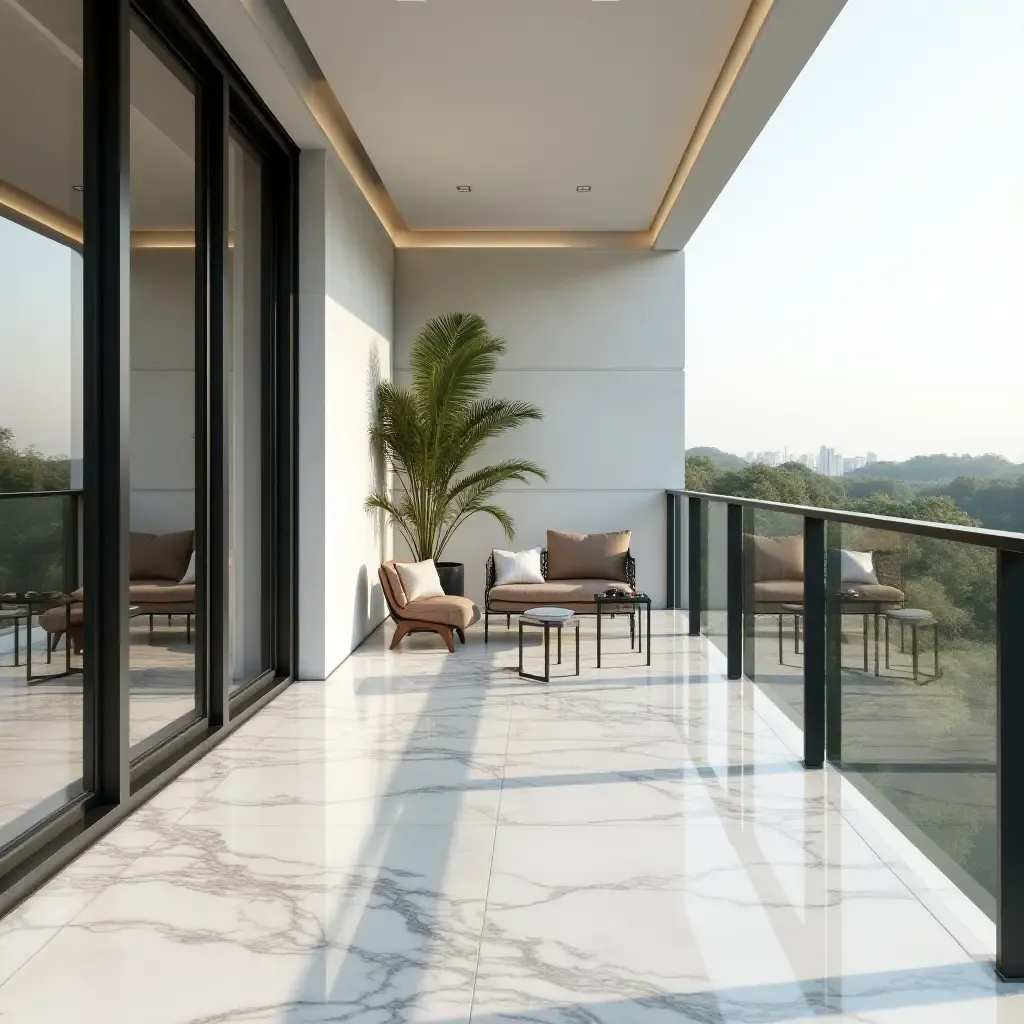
[430, 432]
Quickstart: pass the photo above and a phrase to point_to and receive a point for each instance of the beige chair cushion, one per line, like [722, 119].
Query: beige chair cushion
[162, 556]
[55, 620]
[779, 558]
[577, 556]
[449, 610]
[162, 592]
[394, 594]
[577, 595]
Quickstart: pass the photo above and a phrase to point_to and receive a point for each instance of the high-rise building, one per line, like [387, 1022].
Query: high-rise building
[872, 458]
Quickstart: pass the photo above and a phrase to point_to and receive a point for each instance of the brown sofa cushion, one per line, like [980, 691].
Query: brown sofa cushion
[779, 558]
[449, 610]
[577, 595]
[792, 592]
[396, 593]
[159, 556]
[148, 592]
[576, 556]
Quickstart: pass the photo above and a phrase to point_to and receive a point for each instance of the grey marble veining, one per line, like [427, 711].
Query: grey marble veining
[427, 838]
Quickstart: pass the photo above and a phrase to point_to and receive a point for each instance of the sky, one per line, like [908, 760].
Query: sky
[40, 340]
[859, 283]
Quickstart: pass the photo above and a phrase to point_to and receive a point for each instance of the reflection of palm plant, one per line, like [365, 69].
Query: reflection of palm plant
[429, 432]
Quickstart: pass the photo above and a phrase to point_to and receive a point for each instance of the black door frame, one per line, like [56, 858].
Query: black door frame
[114, 782]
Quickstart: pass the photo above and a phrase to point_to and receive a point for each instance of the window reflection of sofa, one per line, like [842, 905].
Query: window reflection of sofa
[777, 565]
[157, 568]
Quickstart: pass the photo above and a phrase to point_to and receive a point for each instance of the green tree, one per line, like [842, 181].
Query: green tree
[701, 474]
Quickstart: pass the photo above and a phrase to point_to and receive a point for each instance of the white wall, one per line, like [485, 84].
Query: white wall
[596, 340]
[346, 285]
[162, 390]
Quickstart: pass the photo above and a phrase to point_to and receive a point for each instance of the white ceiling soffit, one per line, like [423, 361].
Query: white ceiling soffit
[652, 103]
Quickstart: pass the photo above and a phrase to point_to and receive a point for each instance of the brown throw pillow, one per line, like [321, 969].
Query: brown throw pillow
[394, 584]
[160, 556]
[588, 556]
[780, 558]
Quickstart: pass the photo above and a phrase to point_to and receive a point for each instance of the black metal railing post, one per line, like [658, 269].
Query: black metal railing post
[1010, 764]
[674, 549]
[734, 591]
[814, 642]
[694, 557]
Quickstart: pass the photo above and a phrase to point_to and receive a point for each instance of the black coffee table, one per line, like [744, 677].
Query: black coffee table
[614, 606]
[34, 602]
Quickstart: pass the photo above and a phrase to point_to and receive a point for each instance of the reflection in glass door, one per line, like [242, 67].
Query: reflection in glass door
[163, 578]
[248, 375]
[41, 289]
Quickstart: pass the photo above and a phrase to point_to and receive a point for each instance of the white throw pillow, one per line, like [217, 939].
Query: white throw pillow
[517, 567]
[419, 579]
[857, 567]
[190, 572]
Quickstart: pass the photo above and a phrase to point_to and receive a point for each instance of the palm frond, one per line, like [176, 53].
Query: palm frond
[430, 431]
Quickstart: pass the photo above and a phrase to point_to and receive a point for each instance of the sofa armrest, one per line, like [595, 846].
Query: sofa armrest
[489, 576]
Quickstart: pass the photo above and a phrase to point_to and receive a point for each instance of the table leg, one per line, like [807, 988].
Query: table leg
[17, 640]
[780, 638]
[887, 641]
[632, 629]
[876, 643]
[648, 632]
[913, 647]
[67, 636]
[547, 652]
[640, 630]
[865, 617]
[520, 648]
[28, 646]
[598, 636]
[559, 645]
[577, 647]
[796, 633]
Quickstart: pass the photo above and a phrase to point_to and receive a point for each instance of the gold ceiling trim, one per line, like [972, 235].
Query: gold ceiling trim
[743, 44]
[329, 114]
[27, 207]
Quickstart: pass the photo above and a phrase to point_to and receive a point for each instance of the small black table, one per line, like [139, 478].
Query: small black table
[547, 625]
[613, 606]
[33, 603]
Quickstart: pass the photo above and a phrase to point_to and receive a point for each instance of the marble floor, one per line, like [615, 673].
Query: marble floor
[41, 724]
[426, 837]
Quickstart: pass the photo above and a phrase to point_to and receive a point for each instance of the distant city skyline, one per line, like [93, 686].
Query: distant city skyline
[858, 278]
[826, 460]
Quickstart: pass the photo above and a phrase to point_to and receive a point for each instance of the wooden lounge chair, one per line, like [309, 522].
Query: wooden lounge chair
[447, 616]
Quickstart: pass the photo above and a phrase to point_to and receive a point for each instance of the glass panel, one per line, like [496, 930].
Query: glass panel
[714, 579]
[248, 534]
[773, 648]
[915, 657]
[40, 408]
[163, 388]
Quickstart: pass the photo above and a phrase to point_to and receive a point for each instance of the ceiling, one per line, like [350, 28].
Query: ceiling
[523, 100]
[41, 123]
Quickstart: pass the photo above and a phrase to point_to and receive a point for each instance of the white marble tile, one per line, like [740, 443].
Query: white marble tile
[293, 924]
[426, 837]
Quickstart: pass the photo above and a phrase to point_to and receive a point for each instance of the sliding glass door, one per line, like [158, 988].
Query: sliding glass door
[147, 298]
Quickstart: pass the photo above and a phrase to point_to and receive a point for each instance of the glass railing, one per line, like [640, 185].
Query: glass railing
[39, 541]
[897, 647]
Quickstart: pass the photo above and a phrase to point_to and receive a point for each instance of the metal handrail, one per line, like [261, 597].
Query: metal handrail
[72, 492]
[822, 725]
[1003, 540]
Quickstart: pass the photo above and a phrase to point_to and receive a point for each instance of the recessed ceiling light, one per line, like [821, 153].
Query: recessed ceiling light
[582, 188]
[463, 188]
[78, 188]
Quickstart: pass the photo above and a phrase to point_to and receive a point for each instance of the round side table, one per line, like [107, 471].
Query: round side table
[917, 619]
[548, 619]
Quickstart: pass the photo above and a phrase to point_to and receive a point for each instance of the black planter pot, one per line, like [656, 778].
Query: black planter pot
[453, 577]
